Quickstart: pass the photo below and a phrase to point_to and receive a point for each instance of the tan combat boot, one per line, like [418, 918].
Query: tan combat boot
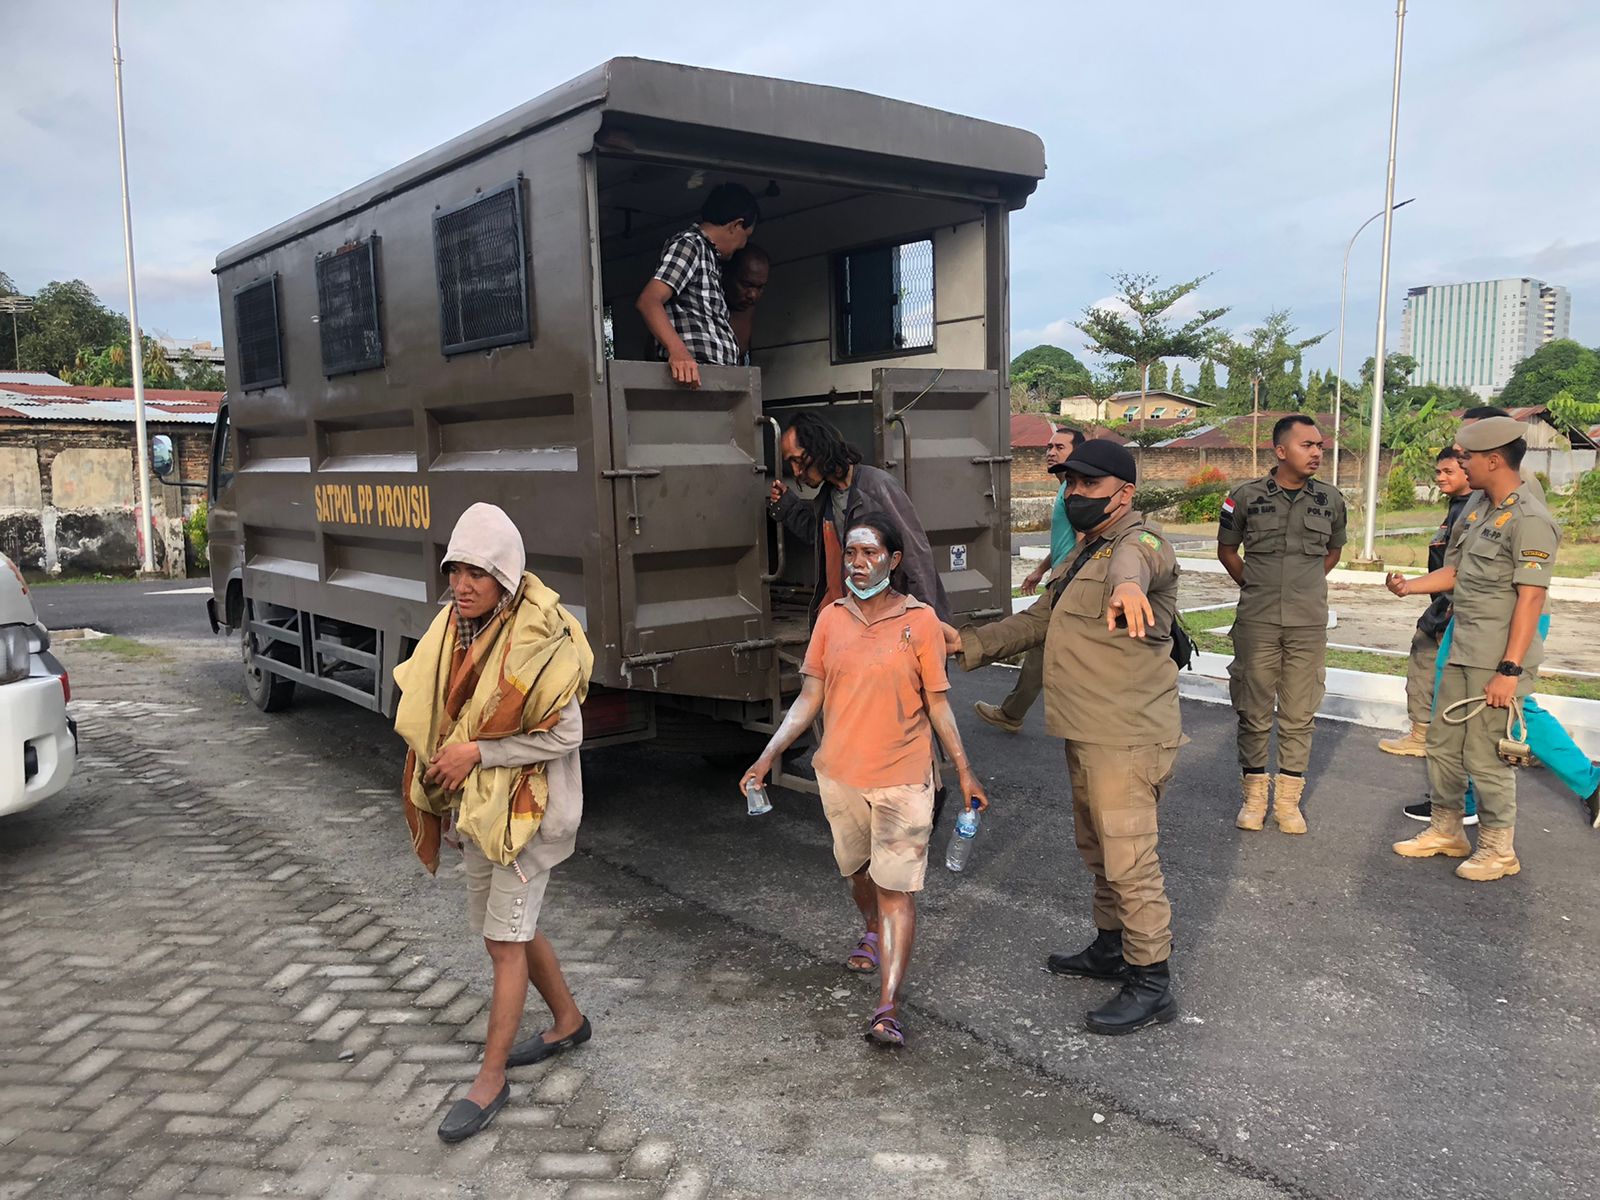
[1443, 835]
[1493, 859]
[993, 714]
[1412, 745]
[1286, 793]
[1253, 813]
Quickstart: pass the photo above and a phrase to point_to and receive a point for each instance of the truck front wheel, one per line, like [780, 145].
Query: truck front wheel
[268, 692]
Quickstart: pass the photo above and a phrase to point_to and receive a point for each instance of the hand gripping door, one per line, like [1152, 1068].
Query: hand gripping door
[689, 488]
[942, 434]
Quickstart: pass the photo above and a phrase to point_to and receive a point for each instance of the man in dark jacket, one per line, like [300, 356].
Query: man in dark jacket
[1451, 477]
[818, 456]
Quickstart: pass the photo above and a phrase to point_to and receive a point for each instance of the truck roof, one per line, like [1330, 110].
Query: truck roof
[724, 101]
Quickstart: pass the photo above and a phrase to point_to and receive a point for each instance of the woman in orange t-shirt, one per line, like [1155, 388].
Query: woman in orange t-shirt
[875, 671]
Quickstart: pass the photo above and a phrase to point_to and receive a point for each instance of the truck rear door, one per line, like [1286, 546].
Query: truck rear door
[941, 434]
[689, 492]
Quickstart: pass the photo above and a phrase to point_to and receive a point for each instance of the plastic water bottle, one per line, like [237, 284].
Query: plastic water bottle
[755, 799]
[961, 838]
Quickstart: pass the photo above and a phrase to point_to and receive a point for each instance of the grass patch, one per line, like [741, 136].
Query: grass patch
[1575, 560]
[122, 647]
[1200, 624]
[39, 581]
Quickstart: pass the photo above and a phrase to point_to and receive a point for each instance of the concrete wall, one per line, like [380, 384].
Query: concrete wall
[68, 494]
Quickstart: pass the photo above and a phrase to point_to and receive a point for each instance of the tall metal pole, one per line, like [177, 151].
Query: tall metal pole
[1338, 378]
[1379, 357]
[136, 343]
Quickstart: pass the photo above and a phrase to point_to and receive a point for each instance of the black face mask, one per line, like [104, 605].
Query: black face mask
[1085, 512]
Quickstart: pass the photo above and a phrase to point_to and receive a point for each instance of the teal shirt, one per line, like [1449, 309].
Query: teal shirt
[1063, 537]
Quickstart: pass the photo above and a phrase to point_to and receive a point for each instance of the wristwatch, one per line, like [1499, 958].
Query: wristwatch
[1507, 667]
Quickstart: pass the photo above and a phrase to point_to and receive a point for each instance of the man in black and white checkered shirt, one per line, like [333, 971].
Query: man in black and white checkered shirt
[684, 305]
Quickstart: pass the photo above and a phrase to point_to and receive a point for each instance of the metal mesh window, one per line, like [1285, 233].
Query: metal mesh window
[884, 299]
[255, 334]
[482, 270]
[347, 308]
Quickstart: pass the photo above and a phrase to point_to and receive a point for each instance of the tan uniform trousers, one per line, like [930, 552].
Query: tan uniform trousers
[1457, 753]
[1030, 682]
[1419, 677]
[1115, 790]
[1283, 667]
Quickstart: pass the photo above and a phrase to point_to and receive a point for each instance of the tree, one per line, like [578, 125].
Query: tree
[1397, 372]
[1553, 368]
[113, 366]
[67, 318]
[1158, 376]
[1572, 415]
[1149, 331]
[1316, 397]
[1043, 376]
[1177, 379]
[1207, 388]
[198, 376]
[1271, 354]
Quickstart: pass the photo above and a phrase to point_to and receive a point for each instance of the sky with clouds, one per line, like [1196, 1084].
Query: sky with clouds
[1245, 139]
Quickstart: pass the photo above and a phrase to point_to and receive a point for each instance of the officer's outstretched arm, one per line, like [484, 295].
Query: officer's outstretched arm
[977, 645]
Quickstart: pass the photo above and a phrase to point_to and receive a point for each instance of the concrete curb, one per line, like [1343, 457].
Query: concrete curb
[1375, 701]
[1585, 590]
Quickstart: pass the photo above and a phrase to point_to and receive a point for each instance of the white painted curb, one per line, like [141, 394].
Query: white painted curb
[1560, 588]
[1375, 701]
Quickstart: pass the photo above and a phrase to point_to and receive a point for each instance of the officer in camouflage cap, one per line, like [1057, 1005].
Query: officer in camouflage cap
[1499, 570]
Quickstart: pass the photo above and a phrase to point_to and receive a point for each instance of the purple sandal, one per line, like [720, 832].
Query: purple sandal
[866, 948]
[885, 1030]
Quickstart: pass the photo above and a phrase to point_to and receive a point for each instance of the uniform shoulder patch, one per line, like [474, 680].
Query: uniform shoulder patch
[1539, 554]
[1151, 540]
[1227, 506]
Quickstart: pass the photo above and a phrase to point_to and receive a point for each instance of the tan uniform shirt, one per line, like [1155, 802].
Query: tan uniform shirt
[1285, 534]
[1100, 686]
[1500, 548]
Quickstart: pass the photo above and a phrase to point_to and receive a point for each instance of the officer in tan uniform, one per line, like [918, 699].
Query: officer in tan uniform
[1291, 527]
[1111, 690]
[1498, 570]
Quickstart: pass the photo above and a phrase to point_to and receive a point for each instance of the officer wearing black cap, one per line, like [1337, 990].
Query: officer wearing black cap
[1111, 690]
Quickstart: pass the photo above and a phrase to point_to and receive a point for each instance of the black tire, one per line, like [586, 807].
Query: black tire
[268, 692]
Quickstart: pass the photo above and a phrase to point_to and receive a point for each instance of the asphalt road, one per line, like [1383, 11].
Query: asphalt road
[1354, 1024]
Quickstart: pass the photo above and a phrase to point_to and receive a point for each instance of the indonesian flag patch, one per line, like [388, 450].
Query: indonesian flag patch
[1227, 510]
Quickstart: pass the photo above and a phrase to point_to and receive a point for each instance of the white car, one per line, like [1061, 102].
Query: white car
[38, 741]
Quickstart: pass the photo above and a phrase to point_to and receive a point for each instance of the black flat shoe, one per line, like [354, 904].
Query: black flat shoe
[536, 1049]
[465, 1118]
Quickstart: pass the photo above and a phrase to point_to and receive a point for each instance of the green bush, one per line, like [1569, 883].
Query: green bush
[1152, 499]
[1400, 490]
[1196, 509]
[195, 530]
[1580, 511]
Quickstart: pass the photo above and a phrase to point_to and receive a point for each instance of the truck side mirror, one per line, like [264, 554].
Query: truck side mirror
[161, 455]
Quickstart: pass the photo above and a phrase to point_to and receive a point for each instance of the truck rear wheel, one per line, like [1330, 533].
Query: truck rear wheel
[268, 692]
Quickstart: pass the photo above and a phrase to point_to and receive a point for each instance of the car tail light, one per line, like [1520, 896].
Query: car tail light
[66, 688]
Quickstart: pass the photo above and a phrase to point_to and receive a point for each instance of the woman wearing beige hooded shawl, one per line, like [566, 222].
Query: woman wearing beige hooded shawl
[489, 711]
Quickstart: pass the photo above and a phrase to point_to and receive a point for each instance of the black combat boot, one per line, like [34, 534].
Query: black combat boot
[1101, 959]
[1145, 999]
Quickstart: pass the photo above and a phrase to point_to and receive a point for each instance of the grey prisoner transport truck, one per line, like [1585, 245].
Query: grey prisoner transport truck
[463, 328]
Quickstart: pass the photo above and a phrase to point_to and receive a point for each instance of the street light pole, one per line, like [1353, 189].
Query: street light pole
[1379, 357]
[1338, 378]
[136, 343]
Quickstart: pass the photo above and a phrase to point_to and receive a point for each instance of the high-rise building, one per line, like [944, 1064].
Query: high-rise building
[1473, 335]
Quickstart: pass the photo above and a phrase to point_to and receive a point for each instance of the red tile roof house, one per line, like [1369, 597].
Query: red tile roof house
[69, 476]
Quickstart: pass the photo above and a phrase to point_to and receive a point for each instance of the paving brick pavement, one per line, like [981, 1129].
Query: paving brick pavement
[187, 1008]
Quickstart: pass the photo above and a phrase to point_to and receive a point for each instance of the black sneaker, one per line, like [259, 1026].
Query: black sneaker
[1422, 810]
[1591, 804]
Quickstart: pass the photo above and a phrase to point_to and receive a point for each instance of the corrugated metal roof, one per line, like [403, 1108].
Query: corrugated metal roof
[35, 378]
[202, 410]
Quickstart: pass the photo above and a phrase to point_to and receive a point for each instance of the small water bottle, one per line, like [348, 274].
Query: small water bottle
[956, 854]
[755, 799]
